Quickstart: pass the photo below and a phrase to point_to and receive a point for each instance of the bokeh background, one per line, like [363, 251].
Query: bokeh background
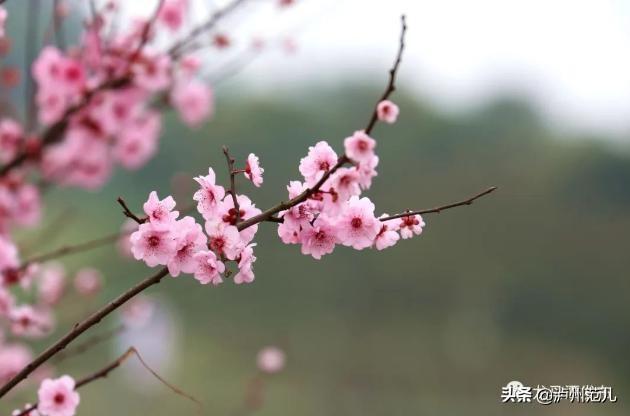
[528, 284]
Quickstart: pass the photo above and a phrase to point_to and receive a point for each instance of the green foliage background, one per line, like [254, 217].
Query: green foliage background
[530, 283]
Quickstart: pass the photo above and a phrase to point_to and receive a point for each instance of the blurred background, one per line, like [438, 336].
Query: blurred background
[529, 284]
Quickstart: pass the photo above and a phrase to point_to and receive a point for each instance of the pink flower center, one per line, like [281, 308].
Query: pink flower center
[230, 217]
[320, 236]
[356, 222]
[217, 244]
[154, 241]
[11, 277]
[324, 165]
[410, 221]
[59, 398]
[362, 145]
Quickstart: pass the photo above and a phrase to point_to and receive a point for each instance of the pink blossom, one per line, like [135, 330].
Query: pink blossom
[3, 20]
[11, 135]
[57, 397]
[27, 321]
[253, 171]
[387, 235]
[223, 238]
[411, 225]
[51, 284]
[367, 171]
[247, 209]
[357, 225]
[245, 265]
[387, 111]
[319, 239]
[189, 65]
[345, 181]
[7, 301]
[190, 240]
[138, 140]
[193, 101]
[172, 13]
[209, 196]
[51, 105]
[13, 358]
[154, 246]
[153, 73]
[271, 360]
[160, 213]
[78, 161]
[115, 109]
[209, 268]
[8, 254]
[27, 209]
[72, 77]
[124, 243]
[359, 147]
[320, 159]
[47, 68]
[88, 281]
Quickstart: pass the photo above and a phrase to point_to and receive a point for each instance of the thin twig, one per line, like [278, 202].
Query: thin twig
[391, 86]
[88, 344]
[439, 209]
[230, 163]
[177, 49]
[76, 248]
[128, 213]
[104, 372]
[80, 328]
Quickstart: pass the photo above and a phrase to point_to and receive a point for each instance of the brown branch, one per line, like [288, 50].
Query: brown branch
[128, 213]
[80, 328]
[104, 372]
[439, 209]
[230, 163]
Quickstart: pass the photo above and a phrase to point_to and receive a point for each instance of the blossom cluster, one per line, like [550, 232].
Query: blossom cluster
[334, 213]
[116, 124]
[47, 285]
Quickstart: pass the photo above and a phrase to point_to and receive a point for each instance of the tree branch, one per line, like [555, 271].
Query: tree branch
[80, 328]
[88, 344]
[72, 249]
[439, 209]
[104, 372]
[230, 163]
[128, 213]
